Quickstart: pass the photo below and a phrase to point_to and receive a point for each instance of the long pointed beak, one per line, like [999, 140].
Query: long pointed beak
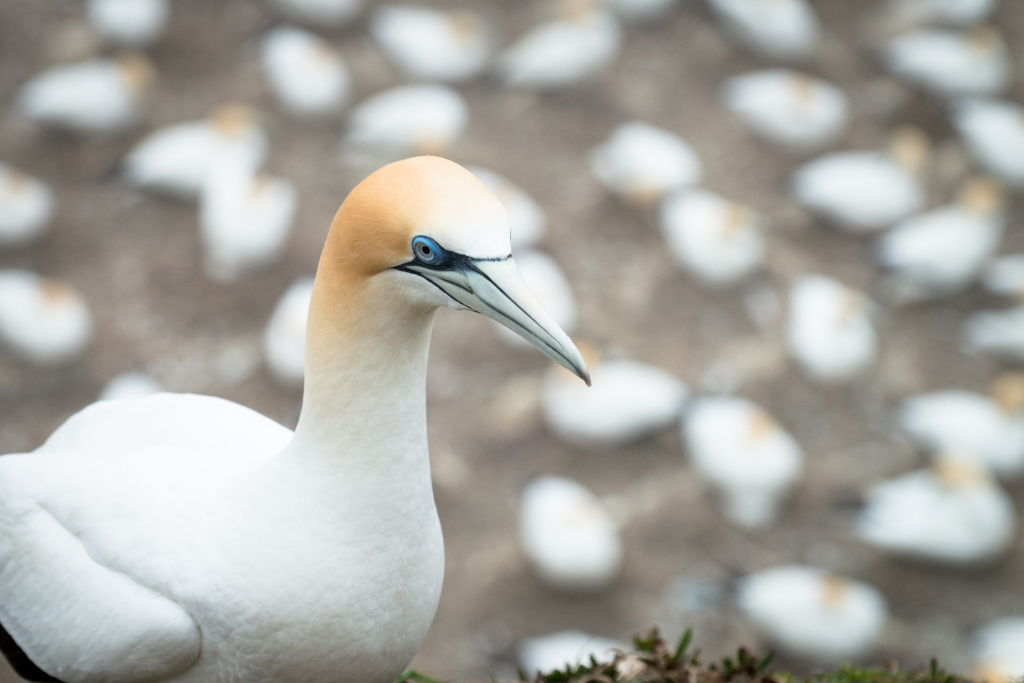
[496, 289]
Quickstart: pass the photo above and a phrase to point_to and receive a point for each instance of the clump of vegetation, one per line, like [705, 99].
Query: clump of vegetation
[653, 661]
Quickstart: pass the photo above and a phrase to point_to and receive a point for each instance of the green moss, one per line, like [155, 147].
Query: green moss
[652, 661]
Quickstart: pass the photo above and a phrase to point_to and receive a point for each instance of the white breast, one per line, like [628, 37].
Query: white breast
[642, 163]
[44, 321]
[950, 63]
[829, 329]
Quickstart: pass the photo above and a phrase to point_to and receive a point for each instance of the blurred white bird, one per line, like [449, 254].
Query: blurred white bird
[798, 112]
[994, 132]
[861, 192]
[549, 284]
[997, 333]
[284, 341]
[322, 13]
[1004, 276]
[951, 12]
[128, 386]
[244, 220]
[562, 52]
[570, 539]
[983, 430]
[627, 401]
[814, 614]
[526, 218]
[44, 321]
[953, 513]
[177, 160]
[424, 119]
[306, 74]
[829, 331]
[999, 651]
[777, 29]
[752, 462]
[26, 207]
[951, 63]
[431, 44]
[555, 652]
[133, 23]
[635, 11]
[719, 241]
[641, 163]
[943, 251]
[95, 96]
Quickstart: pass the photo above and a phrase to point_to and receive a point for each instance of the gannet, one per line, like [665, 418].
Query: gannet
[26, 206]
[778, 29]
[951, 63]
[556, 651]
[284, 340]
[549, 284]
[136, 23]
[130, 385]
[814, 614]
[642, 163]
[568, 536]
[742, 451]
[325, 13]
[177, 160]
[994, 132]
[308, 76]
[867, 191]
[791, 109]
[952, 12]
[528, 220]
[998, 333]
[186, 538]
[94, 96]
[430, 44]
[999, 651]
[44, 321]
[718, 241]
[1004, 276]
[952, 513]
[424, 118]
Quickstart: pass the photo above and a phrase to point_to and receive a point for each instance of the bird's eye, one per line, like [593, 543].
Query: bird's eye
[427, 250]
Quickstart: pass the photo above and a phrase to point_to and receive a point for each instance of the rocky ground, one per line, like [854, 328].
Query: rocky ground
[138, 262]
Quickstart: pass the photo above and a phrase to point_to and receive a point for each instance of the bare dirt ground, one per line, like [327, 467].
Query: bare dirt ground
[137, 261]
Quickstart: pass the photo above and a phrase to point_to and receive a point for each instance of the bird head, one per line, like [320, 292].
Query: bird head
[433, 235]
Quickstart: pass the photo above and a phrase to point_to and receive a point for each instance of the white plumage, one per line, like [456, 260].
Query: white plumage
[425, 119]
[134, 23]
[994, 132]
[94, 96]
[308, 76]
[641, 163]
[984, 430]
[998, 333]
[866, 191]
[812, 613]
[26, 207]
[1004, 276]
[526, 218]
[951, 63]
[244, 220]
[549, 284]
[43, 321]
[432, 45]
[943, 251]
[797, 112]
[569, 538]
[564, 51]
[829, 331]
[628, 400]
[953, 513]
[953, 12]
[555, 652]
[325, 13]
[777, 29]
[177, 160]
[129, 386]
[999, 651]
[752, 462]
[640, 10]
[719, 241]
[284, 341]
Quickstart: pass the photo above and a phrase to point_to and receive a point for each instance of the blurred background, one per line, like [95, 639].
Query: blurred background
[678, 256]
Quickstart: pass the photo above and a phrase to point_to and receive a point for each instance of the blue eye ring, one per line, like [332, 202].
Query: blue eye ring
[427, 251]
